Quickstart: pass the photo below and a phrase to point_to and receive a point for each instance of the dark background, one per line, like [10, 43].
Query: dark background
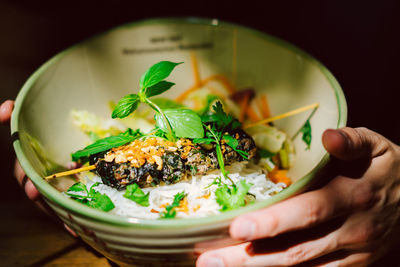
[356, 40]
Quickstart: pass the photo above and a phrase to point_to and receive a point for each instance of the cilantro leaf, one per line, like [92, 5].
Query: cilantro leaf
[170, 211]
[230, 198]
[101, 202]
[136, 194]
[105, 144]
[185, 123]
[306, 131]
[233, 143]
[158, 88]
[157, 73]
[126, 106]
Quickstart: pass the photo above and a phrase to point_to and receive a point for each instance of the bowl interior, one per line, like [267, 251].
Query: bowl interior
[107, 67]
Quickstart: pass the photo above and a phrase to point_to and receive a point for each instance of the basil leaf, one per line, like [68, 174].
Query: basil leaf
[230, 198]
[157, 73]
[165, 103]
[306, 131]
[105, 144]
[101, 202]
[126, 106]
[184, 122]
[158, 88]
[134, 193]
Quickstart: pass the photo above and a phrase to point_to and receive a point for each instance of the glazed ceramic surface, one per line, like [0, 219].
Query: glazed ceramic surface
[106, 67]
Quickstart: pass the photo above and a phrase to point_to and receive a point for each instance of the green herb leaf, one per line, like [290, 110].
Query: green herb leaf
[230, 198]
[158, 88]
[165, 103]
[206, 141]
[157, 73]
[136, 194]
[105, 144]
[126, 106]
[78, 187]
[231, 141]
[263, 153]
[170, 211]
[184, 122]
[306, 131]
[91, 198]
[101, 202]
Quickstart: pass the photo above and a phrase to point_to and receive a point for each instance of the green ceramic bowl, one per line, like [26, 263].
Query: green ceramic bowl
[108, 66]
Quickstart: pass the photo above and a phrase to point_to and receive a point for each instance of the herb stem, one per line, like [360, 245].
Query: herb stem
[170, 134]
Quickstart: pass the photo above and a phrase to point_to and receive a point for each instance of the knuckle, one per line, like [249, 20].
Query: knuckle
[313, 212]
[295, 255]
[273, 223]
[363, 195]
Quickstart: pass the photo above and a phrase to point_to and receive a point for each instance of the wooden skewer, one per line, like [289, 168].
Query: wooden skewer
[281, 116]
[66, 173]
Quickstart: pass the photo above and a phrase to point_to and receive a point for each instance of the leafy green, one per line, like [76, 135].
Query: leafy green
[263, 153]
[134, 193]
[306, 131]
[126, 106]
[157, 73]
[233, 143]
[165, 103]
[184, 122]
[105, 144]
[90, 198]
[221, 119]
[170, 211]
[232, 197]
[158, 88]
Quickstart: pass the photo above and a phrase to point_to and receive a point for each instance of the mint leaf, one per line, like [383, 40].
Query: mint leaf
[306, 131]
[105, 144]
[126, 106]
[78, 187]
[157, 73]
[231, 141]
[158, 88]
[230, 198]
[134, 193]
[184, 122]
[170, 211]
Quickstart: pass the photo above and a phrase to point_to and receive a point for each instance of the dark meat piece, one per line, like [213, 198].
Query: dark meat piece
[197, 161]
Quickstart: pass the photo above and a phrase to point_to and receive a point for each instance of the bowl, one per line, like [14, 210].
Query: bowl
[108, 66]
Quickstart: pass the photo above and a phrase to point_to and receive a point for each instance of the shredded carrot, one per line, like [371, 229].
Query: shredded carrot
[185, 94]
[216, 92]
[196, 208]
[183, 206]
[264, 107]
[279, 176]
[223, 80]
[154, 211]
[195, 68]
[252, 114]
[244, 103]
[206, 196]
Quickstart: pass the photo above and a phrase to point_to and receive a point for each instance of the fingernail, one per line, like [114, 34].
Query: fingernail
[214, 262]
[246, 230]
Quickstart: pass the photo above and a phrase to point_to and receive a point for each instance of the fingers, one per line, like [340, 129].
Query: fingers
[354, 143]
[243, 255]
[353, 260]
[26, 184]
[295, 213]
[5, 111]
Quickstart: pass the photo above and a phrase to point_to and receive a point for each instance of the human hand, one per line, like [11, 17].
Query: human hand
[30, 190]
[351, 221]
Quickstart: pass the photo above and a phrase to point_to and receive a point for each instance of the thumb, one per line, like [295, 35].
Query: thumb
[354, 143]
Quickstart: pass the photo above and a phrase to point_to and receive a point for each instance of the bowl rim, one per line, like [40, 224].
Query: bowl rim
[75, 208]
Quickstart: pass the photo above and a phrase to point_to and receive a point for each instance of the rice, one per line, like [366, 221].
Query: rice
[201, 201]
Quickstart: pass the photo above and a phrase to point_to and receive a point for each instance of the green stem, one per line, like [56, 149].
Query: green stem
[170, 134]
[220, 156]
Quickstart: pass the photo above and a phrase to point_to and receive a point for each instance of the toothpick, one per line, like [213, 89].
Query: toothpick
[283, 115]
[66, 173]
